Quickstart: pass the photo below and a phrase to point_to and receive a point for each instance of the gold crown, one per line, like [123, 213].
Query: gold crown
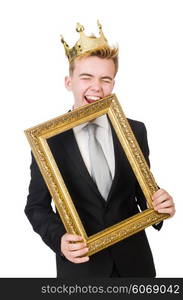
[85, 43]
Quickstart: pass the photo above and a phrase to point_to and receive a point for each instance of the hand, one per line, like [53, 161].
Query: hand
[73, 248]
[163, 202]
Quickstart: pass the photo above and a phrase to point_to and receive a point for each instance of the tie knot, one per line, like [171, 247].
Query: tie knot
[92, 127]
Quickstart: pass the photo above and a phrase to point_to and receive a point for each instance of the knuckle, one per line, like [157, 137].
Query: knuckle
[81, 260]
[69, 247]
[72, 254]
[76, 246]
[84, 250]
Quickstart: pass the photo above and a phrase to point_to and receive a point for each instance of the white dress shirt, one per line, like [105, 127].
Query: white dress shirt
[104, 136]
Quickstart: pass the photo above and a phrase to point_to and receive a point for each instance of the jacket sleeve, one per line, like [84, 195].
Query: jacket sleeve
[141, 200]
[40, 213]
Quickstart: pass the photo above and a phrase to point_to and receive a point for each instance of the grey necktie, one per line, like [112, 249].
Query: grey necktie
[100, 171]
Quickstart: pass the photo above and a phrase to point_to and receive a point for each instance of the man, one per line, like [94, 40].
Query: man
[92, 69]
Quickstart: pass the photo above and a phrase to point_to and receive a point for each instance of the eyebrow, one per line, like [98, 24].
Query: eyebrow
[90, 75]
[85, 74]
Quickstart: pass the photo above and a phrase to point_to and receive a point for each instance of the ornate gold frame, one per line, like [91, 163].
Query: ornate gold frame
[37, 137]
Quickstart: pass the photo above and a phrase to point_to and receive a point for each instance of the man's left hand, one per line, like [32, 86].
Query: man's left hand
[163, 202]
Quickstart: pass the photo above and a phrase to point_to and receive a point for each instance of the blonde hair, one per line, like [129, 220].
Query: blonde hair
[103, 52]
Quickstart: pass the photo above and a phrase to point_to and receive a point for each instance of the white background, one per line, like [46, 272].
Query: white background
[149, 87]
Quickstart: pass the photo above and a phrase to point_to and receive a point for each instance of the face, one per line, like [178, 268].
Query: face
[92, 79]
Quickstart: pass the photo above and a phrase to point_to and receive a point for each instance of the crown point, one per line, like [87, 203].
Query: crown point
[62, 38]
[63, 42]
[99, 25]
[79, 27]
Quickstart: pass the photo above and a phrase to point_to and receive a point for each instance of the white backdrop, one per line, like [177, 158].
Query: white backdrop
[149, 87]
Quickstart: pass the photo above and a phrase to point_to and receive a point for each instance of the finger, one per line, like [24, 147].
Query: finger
[78, 253]
[79, 260]
[162, 198]
[76, 246]
[170, 211]
[73, 238]
[158, 193]
[165, 204]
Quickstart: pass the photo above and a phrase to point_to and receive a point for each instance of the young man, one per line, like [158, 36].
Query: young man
[93, 66]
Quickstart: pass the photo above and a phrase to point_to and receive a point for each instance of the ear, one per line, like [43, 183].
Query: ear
[68, 83]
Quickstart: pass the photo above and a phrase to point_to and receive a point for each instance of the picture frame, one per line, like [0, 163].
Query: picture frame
[37, 137]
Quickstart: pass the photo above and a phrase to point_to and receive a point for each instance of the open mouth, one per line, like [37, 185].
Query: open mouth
[91, 99]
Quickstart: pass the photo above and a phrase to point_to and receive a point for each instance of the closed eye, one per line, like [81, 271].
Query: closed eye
[85, 77]
[107, 80]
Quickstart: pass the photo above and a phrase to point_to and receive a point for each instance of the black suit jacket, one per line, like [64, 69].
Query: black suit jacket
[132, 256]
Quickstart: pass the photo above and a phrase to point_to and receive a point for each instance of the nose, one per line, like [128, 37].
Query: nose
[96, 85]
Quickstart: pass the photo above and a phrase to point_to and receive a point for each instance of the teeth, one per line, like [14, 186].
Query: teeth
[92, 98]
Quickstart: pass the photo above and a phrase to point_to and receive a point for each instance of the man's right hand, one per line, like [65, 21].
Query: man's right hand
[73, 248]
